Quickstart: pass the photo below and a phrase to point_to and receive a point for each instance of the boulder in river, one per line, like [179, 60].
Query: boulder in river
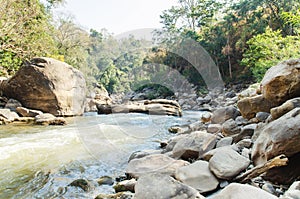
[48, 85]
[151, 107]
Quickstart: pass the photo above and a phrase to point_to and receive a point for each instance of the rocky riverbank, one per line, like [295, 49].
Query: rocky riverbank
[248, 148]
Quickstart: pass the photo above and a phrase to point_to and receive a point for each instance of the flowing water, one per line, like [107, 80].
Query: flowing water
[40, 162]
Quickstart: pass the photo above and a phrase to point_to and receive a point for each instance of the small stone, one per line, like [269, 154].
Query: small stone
[214, 128]
[12, 104]
[245, 143]
[227, 141]
[81, 183]
[269, 188]
[105, 180]
[224, 183]
[126, 185]
[262, 116]
[246, 152]
[230, 127]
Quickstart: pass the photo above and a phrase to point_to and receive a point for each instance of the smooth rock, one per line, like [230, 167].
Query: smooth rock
[251, 105]
[227, 163]
[7, 115]
[25, 112]
[105, 180]
[278, 137]
[48, 85]
[198, 176]
[286, 107]
[49, 119]
[157, 163]
[222, 114]
[194, 145]
[230, 127]
[227, 141]
[282, 82]
[245, 143]
[141, 154]
[214, 128]
[81, 183]
[155, 186]
[126, 185]
[243, 191]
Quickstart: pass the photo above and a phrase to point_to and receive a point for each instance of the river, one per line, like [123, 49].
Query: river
[41, 161]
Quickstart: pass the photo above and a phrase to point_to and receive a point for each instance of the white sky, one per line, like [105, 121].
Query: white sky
[117, 16]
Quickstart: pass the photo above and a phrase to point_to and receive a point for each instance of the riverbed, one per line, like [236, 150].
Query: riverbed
[41, 161]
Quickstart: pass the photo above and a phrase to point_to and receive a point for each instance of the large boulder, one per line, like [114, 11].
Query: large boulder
[198, 176]
[282, 82]
[154, 186]
[48, 85]
[245, 191]
[249, 106]
[158, 163]
[281, 136]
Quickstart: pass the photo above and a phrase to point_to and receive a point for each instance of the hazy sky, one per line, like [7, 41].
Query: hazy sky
[117, 16]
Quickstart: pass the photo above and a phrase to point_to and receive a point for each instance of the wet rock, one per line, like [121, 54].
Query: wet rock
[153, 186]
[154, 163]
[227, 163]
[194, 145]
[25, 112]
[49, 119]
[12, 104]
[105, 180]
[222, 114]
[286, 107]
[282, 82]
[252, 105]
[126, 185]
[48, 85]
[278, 137]
[198, 176]
[230, 127]
[244, 191]
[268, 187]
[81, 183]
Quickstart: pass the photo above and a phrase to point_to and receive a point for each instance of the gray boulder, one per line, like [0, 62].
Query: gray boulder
[230, 127]
[278, 137]
[227, 163]
[198, 176]
[157, 163]
[154, 186]
[243, 191]
[194, 145]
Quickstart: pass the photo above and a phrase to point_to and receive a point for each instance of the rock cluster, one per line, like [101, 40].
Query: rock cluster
[245, 149]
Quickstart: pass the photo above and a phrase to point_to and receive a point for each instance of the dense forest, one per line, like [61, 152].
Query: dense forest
[243, 37]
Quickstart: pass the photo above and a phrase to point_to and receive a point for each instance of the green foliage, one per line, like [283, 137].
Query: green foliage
[25, 32]
[154, 91]
[268, 49]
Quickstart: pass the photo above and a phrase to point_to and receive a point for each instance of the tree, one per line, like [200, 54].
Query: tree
[25, 32]
[268, 49]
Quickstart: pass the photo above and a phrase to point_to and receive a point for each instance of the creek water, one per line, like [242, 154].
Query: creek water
[40, 162]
